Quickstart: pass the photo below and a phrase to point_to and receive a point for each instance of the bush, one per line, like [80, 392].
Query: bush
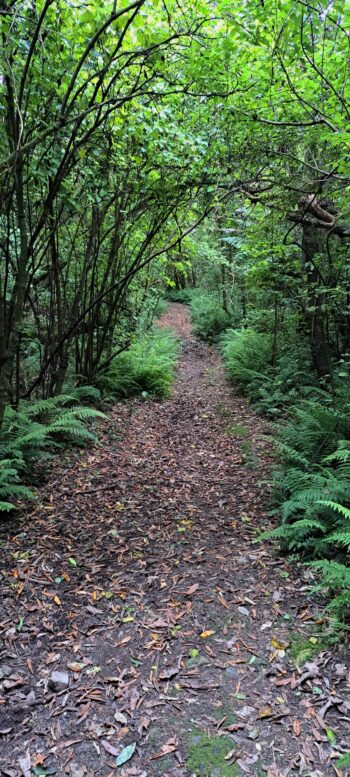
[33, 428]
[313, 493]
[247, 354]
[147, 366]
[209, 319]
[179, 295]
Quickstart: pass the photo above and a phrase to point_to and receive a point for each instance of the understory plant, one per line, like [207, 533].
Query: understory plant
[208, 316]
[39, 428]
[273, 378]
[146, 367]
[313, 494]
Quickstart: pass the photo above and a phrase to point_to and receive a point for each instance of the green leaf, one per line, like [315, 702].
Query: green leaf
[331, 736]
[72, 561]
[126, 754]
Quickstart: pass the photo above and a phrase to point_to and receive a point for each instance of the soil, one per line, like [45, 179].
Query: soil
[183, 645]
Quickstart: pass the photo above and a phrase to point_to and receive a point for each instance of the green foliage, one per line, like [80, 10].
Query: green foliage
[208, 316]
[313, 492]
[147, 366]
[344, 760]
[179, 295]
[335, 579]
[35, 428]
[247, 354]
[206, 755]
[10, 484]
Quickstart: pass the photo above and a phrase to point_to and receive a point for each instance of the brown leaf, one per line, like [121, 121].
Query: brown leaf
[273, 771]
[266, 712]
[234, 727]
[167, 674]
[110, 748]
[192, 589]
[75, 666]
[143, 725]
[297, 727]
[169, 747]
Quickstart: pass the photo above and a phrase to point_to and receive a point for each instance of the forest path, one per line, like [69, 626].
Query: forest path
[137, 578]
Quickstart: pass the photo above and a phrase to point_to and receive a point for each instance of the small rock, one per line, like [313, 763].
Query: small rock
[197, 661]
[341, 670]
[5, 671]
[77, 771]
[195, 739]
[231, 672]
[253, 733]
[30, 699]
[277, 596]
[120, 718]
[243, 611]
[59, 681]
[246, 712]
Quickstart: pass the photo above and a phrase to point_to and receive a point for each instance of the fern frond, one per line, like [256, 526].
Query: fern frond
[344, 511]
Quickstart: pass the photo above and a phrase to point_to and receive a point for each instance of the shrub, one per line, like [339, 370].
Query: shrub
[179, 295]
[313, 492]
[32, 429]
[209, 319]
[147, 366]
[247, 354]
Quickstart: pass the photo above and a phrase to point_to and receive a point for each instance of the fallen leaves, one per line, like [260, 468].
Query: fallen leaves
[125, 754]
[129, 630]
[192, 589]
[168, 674]
[169, 747]
[266, 712]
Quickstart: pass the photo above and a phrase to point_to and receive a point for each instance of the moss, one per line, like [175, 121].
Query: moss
[344, 760]
[230, 717]
[238, 430]
[206, 755]
[223, 411]
[302, 648]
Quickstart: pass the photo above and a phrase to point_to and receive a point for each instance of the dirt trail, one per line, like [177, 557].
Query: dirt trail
[138, 579]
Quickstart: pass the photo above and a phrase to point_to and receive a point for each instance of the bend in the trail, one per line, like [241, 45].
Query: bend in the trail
[137, 577]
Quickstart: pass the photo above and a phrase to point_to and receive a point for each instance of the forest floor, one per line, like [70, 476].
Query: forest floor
[143, 623]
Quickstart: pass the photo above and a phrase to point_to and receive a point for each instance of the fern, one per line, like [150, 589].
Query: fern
[36, 428]
[208, 316]
[313, 489]
[344, 511]
[147, 366]
[335, 578]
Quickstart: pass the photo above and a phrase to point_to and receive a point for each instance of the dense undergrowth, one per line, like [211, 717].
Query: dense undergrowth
[37, 429]
[147, 367]
[311, 483]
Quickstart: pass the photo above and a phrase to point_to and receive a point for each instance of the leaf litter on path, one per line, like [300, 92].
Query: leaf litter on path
[132, 647]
